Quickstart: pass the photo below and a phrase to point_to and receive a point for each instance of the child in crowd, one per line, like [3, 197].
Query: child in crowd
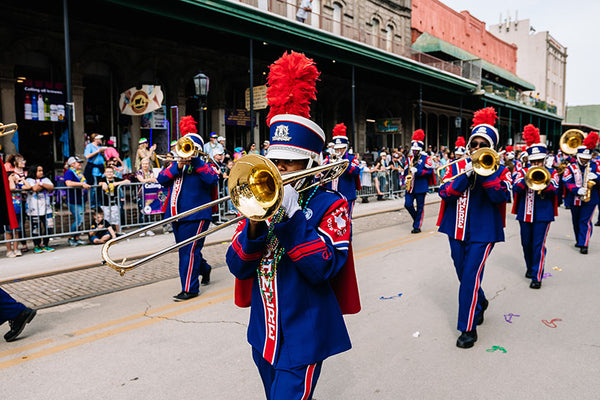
[101, 230]
[111, 197]
[39, 208]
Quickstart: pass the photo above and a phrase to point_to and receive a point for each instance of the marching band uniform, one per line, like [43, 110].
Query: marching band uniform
[535, 211]
[582, 212]
[349, 182]
[472, 215]
[421, 169]
[190, 186]
[289, 268]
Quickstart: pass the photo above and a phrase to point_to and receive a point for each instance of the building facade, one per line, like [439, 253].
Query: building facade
[541, 60]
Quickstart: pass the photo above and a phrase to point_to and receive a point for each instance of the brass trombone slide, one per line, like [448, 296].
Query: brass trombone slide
[256, 188]
[7, 129]
[484, 161]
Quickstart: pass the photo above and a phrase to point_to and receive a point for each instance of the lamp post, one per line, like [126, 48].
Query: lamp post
[201, 84]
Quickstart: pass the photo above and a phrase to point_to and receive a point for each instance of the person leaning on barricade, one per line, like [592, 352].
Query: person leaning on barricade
[39, 208]
[144, 175]
[76, 195]
[17, 185]
[112, 197]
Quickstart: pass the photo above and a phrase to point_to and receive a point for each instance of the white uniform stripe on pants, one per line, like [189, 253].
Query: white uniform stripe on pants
[308, 378]
[190, 268]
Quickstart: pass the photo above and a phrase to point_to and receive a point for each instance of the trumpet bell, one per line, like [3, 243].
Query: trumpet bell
[485, 161]
[571, 140]
[255, 186]
[185, 148]
[537, 178]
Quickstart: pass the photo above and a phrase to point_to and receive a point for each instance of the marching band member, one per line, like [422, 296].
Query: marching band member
[578, 178]
[349, 182]
[472, 215]
[535, 209]
[420, 175]
[288, 266]
[191, 183]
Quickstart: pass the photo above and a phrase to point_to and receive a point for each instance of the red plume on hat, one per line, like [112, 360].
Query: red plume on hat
[291, 85]
[591, 140]
[460, 142]
[485, 116]
[187, 125]
[531, 134]
[509, 149]
[418, 135]
[339, 130]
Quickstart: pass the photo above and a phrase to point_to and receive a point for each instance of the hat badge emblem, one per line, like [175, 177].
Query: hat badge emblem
[282, 134]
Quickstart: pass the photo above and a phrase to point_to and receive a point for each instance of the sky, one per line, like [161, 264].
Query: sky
[574, 24]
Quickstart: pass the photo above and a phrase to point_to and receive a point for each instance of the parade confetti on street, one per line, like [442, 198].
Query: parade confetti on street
[508, 317]
[391, 297]
[557, 268]
[496, 348]
[551, 323]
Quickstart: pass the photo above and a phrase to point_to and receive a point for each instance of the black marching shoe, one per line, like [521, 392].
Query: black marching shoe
[206, 278]
[576, 245]
[467, 339]
[18, 324]
[484, 306]
[597, 223]
[415, 230]
[528, 275]
[583, 250]
[183, 296]
[535, 285]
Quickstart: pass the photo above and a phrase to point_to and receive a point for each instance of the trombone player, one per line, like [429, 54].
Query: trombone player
[535, 205]
[191, 182]
[580, 179]
[472, 215]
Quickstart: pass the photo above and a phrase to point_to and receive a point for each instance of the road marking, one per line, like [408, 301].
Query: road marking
[154, 315]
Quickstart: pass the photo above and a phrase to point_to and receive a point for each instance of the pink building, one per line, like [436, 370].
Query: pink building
[462, 30]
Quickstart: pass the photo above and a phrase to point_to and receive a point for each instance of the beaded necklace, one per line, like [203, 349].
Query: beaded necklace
[273, 247]
[78, 174]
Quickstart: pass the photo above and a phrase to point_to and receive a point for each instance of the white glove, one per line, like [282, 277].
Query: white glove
[592, 176]
[413, 170]
[290, 200]
[581, 191]
[469, 169]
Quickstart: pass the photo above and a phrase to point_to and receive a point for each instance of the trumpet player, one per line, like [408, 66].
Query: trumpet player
[419, 176]
[472, 215]
[191, 183]
[535, 207]
[580, 179]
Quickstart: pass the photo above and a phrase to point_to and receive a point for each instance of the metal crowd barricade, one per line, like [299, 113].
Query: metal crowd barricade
[68, 211]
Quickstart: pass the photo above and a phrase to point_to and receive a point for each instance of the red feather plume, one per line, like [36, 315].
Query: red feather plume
[531, 134]
[591, 140]
[509, 149]
[291, 85]
[460, 142]
[187, 125]
[339, 130]
[485, 116]
[419, 135]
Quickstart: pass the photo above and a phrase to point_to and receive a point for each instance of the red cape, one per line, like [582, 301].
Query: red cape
[344, 286]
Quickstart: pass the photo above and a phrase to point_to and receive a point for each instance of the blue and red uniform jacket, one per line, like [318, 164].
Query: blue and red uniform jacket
[474, 209]
[424, 177]
[303, 324]
[530, 206]
[573, 180]
[188, 188]
[349, 182]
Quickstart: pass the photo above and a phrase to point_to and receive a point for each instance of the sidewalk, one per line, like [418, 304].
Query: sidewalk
[71, 258]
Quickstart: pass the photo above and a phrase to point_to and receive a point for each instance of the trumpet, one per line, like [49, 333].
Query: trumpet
[256, 188]
[570, 140]
[537, 178]
[184, 149]
[7, 129]
[484, 161]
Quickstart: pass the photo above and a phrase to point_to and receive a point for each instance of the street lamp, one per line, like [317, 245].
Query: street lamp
[201, 85]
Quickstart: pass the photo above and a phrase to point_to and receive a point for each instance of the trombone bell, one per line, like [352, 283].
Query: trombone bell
[485, 161]
[537, 178]
[571, 140]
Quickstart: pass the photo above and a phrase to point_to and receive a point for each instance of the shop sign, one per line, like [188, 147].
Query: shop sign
[390, 125]
[142, 101]
[260, 98]
[43, 101]
[157, 119]
[237, 117]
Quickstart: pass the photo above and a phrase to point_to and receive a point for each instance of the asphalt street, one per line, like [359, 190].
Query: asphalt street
[534, 344]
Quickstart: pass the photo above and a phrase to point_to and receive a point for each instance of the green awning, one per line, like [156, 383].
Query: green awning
[427, 43]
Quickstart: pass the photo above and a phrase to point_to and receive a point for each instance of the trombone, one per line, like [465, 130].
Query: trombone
[185, 148]
[537, 178]
[484, 161]
[7, 129]
[256, 188]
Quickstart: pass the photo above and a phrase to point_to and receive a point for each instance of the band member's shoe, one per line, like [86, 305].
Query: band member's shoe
[183, 296]
[528, 275]
[535, 285]
[597, 223]
[576, 245]
[467, 339]
[18, 324]
[484, 306]
[206, 278]
[415, 230]
[583, 250]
